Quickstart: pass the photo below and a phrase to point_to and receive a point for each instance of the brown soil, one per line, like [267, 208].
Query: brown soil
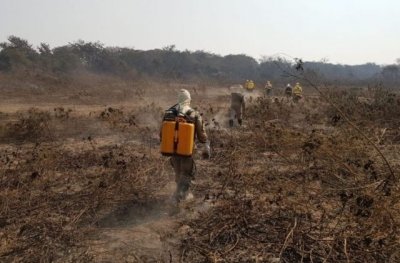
[81, 178]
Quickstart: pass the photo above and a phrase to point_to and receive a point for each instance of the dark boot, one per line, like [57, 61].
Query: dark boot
[182, 190]
[178, 196]
[230, 123]
[240, 122]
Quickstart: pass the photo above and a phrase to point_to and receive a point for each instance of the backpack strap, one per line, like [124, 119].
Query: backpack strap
[188, 117]
[171, 113]
[189, 112]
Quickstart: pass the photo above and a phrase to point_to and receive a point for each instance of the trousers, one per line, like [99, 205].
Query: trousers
[185, 171]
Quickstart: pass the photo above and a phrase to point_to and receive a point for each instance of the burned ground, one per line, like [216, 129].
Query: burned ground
[82, 180]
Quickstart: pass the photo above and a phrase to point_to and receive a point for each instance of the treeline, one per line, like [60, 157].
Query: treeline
[18, 54]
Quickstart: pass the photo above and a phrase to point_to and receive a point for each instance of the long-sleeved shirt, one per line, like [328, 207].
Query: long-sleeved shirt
[200, 130]
[297, 90]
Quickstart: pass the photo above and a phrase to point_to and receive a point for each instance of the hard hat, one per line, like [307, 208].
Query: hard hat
[288, 85]
[297, 83]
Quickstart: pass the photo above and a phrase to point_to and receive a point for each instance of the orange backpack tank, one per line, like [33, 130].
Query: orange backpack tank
[177, 134]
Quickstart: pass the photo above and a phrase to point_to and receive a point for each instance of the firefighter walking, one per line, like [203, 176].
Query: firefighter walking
[268, 88]
[297, 92]
[288, 92]
[181, 125]
[237, 107]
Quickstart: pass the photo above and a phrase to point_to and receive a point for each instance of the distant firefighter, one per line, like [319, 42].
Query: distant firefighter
[288, 91]
[268, 88]
[237, 107]
[297, 92]
[250, 85]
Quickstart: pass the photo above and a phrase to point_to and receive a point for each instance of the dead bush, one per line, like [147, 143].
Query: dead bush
[62, 113]
[51, 198]
[378, 105]
[289, 193]
[30, 126]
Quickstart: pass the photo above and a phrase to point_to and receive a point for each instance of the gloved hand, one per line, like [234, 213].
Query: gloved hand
[207, 150]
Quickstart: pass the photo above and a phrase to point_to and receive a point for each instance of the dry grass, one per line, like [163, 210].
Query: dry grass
[298, 191]
[296, 184]
[57, 183]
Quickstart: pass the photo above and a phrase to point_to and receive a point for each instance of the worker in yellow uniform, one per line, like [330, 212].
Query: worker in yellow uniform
[251, 85]
[297, 92]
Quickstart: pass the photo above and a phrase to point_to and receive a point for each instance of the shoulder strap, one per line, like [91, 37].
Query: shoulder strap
[189, 112]
[188, 116]
[171, 113]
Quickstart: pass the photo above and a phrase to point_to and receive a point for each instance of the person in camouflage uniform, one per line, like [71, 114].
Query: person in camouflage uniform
[237, 107]
[185, 167]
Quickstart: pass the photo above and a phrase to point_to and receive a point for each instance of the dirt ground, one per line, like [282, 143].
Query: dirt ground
[82, 179]
[131, 229]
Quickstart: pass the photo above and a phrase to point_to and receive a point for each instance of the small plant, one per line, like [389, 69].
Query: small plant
[61, 113]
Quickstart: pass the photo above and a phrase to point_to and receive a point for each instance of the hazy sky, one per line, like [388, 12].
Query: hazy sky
[343, 31]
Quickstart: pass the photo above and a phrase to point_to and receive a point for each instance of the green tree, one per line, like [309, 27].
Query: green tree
[16, 54]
